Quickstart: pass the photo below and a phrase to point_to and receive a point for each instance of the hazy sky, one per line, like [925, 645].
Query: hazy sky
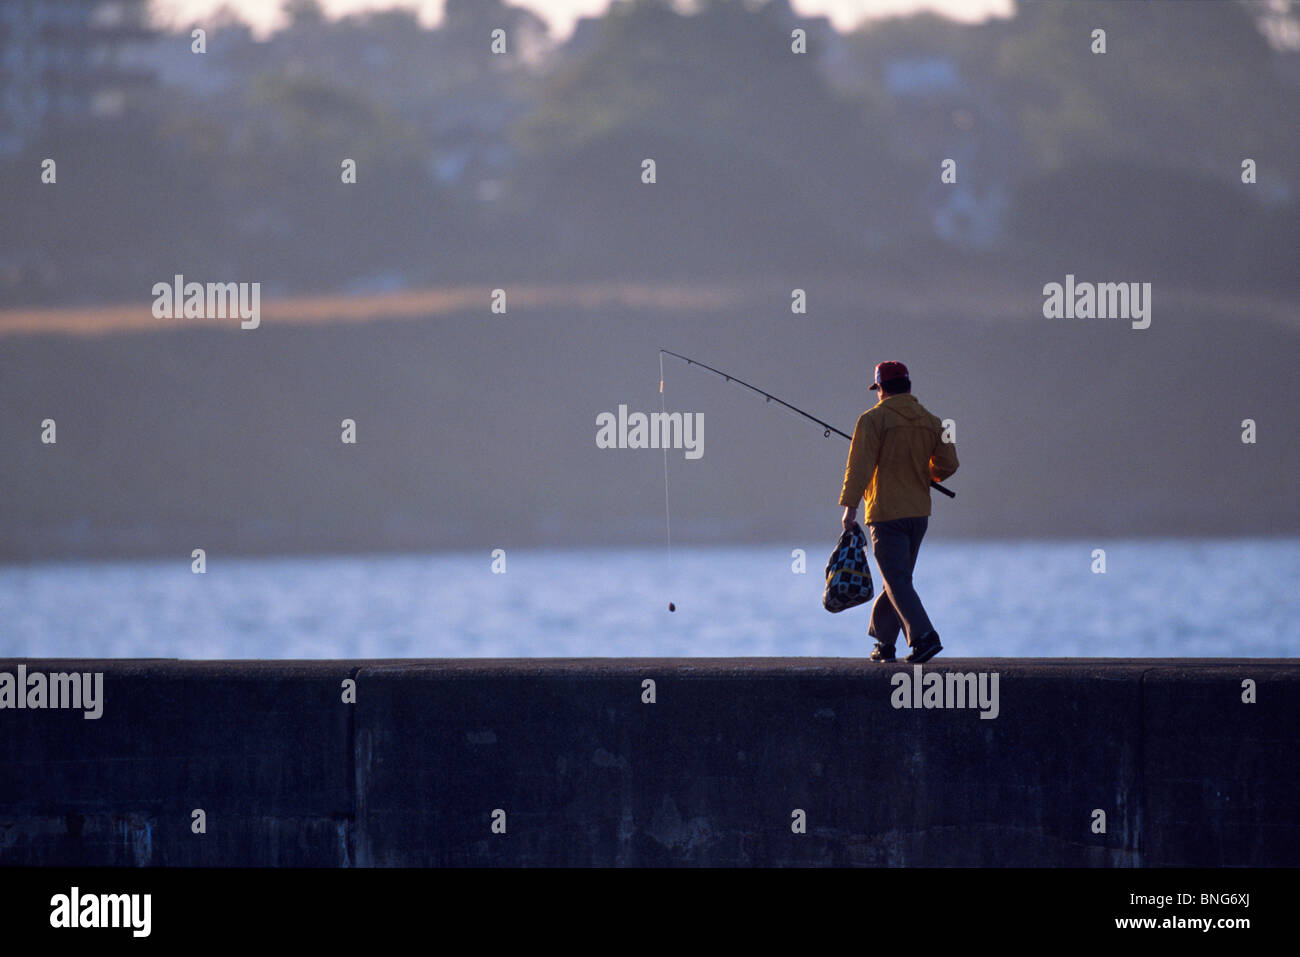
[265, 14]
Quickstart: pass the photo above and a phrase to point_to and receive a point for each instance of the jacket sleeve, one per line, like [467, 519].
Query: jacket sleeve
[943, 461]
[861, 464]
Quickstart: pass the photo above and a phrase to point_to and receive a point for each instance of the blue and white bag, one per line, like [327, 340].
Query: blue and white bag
[848, 577]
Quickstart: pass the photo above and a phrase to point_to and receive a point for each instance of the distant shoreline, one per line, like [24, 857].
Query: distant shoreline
[893, 294]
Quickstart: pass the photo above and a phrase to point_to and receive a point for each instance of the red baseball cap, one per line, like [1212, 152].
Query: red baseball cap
[889, 370]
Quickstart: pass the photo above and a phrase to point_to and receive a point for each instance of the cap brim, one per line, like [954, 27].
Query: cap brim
[874, 385]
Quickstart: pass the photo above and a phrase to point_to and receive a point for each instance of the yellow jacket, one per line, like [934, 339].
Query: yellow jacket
[897, 449]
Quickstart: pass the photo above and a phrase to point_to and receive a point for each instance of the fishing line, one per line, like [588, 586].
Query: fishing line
[668, 521]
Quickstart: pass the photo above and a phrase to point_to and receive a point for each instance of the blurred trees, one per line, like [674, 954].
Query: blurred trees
[528, 164]
[1186, 85]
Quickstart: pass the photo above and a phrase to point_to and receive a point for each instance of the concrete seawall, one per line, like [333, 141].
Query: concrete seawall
[572, 761]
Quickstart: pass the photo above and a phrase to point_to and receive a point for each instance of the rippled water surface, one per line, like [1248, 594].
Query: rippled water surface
[1156, 599]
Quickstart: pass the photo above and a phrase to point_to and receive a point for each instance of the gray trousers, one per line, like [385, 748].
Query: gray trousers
[895, 544]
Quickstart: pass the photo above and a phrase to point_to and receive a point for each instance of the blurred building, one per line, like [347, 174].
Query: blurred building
[61, 62]
[939, 112]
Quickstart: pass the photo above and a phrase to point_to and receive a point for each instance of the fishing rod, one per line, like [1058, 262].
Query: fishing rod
[771, 398]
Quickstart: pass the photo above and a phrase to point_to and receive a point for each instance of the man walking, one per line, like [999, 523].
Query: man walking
[897, 449]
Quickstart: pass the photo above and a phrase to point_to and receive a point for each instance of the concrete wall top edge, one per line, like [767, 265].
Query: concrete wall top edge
[1109, 668]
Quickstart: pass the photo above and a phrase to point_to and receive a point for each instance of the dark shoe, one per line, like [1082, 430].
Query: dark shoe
[882, 652]
[925, 649]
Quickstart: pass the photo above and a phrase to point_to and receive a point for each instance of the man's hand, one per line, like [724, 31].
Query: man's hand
[850, 516]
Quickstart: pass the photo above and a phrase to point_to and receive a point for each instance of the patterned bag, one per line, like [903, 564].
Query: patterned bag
[848, 577]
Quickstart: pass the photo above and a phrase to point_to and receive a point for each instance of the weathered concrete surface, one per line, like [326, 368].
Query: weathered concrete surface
[586, 773]
[261, 747]
[1216, 770]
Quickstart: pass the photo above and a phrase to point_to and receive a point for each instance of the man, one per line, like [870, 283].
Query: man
[897, 449]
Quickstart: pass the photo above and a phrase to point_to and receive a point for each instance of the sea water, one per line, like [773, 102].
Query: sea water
[1156, 598]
